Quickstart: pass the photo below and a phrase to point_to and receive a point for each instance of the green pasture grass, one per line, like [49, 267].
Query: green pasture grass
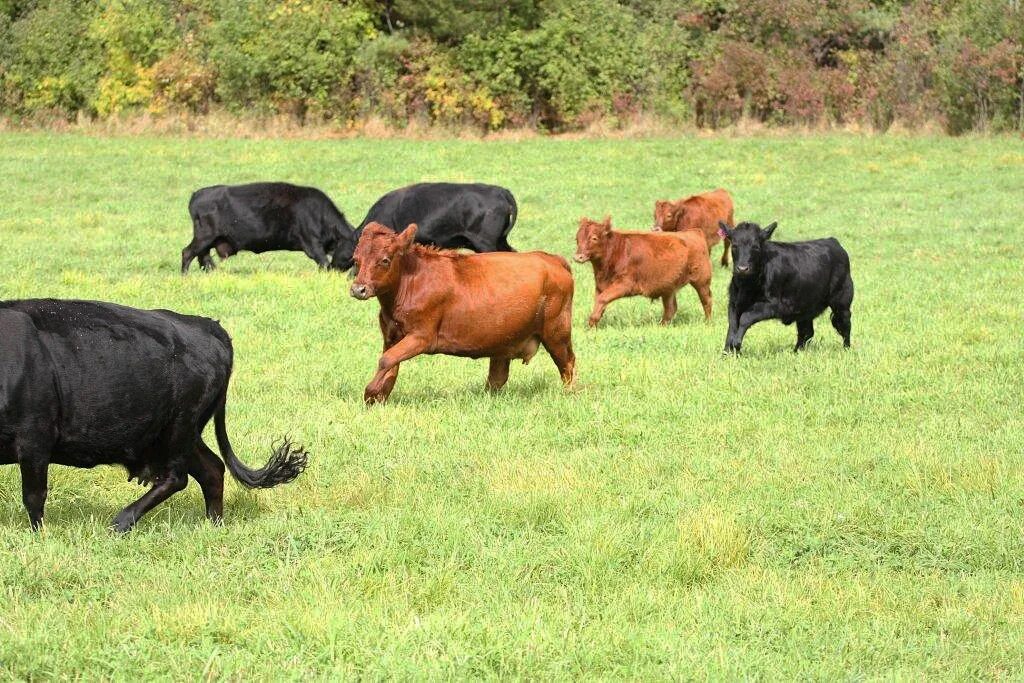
[834, 514]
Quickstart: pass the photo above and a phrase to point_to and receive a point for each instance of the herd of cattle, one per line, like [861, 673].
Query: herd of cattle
[88, 383]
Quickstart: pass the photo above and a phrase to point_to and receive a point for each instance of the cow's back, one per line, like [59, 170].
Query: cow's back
[804, 275]
[657, 263]
[492, 302]
[439, 206]
[704, 211]
[119, 371]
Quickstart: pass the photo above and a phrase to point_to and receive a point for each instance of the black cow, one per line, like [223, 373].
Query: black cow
[451, 215]
[794, 282]
[84, 383]
[265, 217]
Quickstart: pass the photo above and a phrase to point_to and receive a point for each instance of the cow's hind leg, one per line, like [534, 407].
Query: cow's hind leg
[841, 321]
[173, 481]
[168, 462]
[704, 294]
[840, 304]
[34, 461]
[205, 261]
[670, 306]
[316, 252]
[497, 374]
[557, 341]
[804, 332]
[208, 470]
[195, 248]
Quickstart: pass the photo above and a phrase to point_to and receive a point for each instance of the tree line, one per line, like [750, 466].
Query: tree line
[553, 65]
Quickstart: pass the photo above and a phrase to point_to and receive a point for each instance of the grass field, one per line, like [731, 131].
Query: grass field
[681, 515]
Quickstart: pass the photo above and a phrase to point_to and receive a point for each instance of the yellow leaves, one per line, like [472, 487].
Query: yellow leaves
[451, 101]
[117, 94]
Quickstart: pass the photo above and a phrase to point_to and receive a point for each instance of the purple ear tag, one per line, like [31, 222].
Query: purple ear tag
[721, 233]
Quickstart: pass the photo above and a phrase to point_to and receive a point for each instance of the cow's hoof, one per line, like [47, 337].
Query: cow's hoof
[122, 525]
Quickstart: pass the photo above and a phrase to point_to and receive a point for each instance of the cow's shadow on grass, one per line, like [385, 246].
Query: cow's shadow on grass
[70, 505]
[640, 321]
[417, 394]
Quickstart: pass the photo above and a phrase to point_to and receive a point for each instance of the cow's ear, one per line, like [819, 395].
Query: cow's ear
[768, 230]
[724, 230]
[607, 223]
[407, 236]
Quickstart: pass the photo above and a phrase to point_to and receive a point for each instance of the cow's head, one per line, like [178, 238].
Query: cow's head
[591, 238]
[748, 241]
[341, 257]
[667, 215]
[378, 258]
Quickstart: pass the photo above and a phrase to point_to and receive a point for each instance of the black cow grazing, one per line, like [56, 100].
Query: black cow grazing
[85, 383]
[265, 217]
[450, 215]
[794, 282]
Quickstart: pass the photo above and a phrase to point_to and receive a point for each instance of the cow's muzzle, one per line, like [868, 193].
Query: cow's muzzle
[656, 228]
[361, 292]
[580, 258]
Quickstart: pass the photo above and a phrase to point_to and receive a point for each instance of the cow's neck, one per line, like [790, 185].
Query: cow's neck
[408, 297]
[605, 262]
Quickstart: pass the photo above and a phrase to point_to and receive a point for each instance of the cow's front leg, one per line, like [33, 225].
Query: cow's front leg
[755, 314]
[603, 298]
[379, 388]
[316, 252]
[34, 463]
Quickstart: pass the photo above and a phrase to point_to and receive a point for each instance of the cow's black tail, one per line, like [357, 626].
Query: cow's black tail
[513, 214]
[286, 462]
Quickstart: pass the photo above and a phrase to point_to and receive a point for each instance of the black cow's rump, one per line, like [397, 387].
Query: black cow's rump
[450, 215]
[794, 282]
[87, 383]
[265, 217]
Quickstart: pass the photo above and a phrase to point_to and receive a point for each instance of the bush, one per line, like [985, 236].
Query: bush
[557, 64]
[293, 56]
[51, 64]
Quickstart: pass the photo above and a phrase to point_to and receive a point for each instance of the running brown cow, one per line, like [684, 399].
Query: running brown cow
[498, 305]
[643, 264]
[699, 212]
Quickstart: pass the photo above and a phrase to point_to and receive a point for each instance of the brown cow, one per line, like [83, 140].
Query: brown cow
[643, 264]
[699, 212]
[500, 305]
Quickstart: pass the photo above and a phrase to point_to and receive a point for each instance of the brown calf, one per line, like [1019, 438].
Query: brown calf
[699, 212]
[643, 264]
[500, 306]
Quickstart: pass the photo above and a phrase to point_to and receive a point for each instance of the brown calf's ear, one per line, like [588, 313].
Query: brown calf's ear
[724, 230]
[769, 229]
[408, 235]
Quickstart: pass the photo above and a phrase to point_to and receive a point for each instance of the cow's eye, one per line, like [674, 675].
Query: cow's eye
[593, 238]
[385, 262]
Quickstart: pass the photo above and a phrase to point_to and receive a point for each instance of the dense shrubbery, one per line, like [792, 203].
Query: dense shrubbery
[554, 64]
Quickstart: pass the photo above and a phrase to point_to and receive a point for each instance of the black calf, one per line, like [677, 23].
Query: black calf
[794, 282]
